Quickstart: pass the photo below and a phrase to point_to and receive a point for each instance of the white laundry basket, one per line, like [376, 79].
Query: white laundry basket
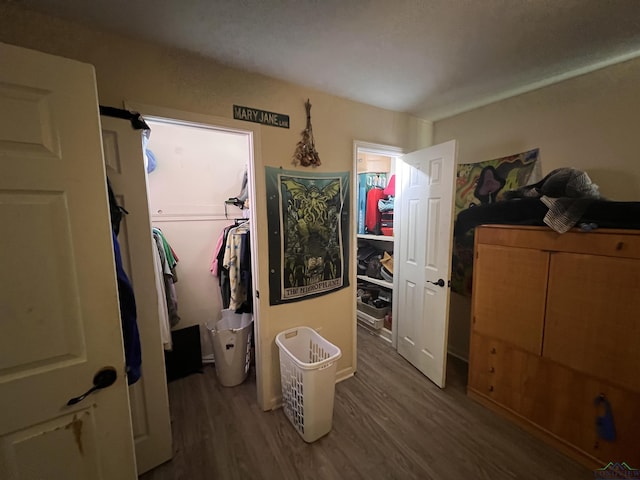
[231, 341]
[308, 365]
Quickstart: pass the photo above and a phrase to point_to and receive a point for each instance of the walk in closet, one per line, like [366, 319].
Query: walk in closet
[184, 177]
[375, 241]
[404, 224]
[194, 172]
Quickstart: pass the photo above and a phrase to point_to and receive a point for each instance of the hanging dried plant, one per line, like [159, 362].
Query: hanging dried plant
[306, 153]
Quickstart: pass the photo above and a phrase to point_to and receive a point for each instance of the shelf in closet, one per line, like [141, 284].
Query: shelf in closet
[376, 281]
[373, 322]
[384, 238]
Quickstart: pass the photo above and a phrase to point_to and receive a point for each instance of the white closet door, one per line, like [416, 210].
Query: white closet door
[60, 318]
[425, 208]
[149, 399]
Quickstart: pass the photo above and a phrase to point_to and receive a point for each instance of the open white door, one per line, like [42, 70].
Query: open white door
[60, 319]
[125, 167]
[423, 252]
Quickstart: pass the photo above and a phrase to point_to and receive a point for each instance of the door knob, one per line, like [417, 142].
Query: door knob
[439, 283]
[103, 379]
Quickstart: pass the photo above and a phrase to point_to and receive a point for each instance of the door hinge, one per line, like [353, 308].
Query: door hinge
[257, 294]
[449, 283]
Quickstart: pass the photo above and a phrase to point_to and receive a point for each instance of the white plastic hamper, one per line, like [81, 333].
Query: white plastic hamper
[308, 365]
[231, 341]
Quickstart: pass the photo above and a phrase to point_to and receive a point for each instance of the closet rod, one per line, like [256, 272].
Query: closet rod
[137, 122]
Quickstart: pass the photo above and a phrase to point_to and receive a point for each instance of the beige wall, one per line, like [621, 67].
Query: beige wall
[588, 122]
[140, 72]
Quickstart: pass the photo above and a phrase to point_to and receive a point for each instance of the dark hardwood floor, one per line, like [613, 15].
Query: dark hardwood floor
[389, 422]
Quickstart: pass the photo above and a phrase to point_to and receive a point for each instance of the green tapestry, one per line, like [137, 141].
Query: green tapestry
[308, 219]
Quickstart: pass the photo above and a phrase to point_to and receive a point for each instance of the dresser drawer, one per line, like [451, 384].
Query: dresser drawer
[498, 371]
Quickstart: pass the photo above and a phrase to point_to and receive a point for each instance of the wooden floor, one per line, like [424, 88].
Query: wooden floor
[389, 422]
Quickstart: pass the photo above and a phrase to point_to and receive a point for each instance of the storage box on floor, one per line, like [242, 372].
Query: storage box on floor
[308, 364]
[231, 339]
[185, 356]
[373, 305]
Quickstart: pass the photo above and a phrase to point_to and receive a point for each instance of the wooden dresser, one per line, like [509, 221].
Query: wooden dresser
[556, 324]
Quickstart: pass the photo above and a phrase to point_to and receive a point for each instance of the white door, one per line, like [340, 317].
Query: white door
[149, 398]
[425, 207]
[59, 313]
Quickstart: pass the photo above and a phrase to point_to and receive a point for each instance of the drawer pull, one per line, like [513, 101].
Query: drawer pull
[491, 388]
[493, 350]
[492, 370]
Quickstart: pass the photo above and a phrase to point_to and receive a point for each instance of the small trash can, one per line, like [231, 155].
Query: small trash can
[231, 340]
[308, 364]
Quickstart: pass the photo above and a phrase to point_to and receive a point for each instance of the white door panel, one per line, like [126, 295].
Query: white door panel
[425, 208]
[60, 319]
[148, 396]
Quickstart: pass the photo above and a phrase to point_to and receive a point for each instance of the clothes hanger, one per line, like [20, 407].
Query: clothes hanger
[232, 201]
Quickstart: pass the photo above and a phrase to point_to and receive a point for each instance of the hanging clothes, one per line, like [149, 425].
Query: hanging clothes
[116, 211]
[165, 325]
[231, 263]
[372, 216]
[169, 254]
[128, 318]
[215, 264]
[126, 297]
[245, 273]
[390, 189]
[218, 269]
[168, 263]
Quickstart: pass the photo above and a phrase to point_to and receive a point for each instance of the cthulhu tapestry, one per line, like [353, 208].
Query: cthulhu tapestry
[308, 218]
[481, 183]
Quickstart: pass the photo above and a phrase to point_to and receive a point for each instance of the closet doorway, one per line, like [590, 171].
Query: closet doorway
[375, 165]
[422, 227]
[197, 163]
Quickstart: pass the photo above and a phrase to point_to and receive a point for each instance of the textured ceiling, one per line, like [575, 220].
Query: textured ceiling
[432, 58]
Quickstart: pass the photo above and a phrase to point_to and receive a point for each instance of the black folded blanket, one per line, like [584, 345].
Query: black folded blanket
[531, 211]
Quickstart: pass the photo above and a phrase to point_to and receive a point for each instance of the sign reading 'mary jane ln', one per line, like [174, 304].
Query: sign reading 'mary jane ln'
[260, 116]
